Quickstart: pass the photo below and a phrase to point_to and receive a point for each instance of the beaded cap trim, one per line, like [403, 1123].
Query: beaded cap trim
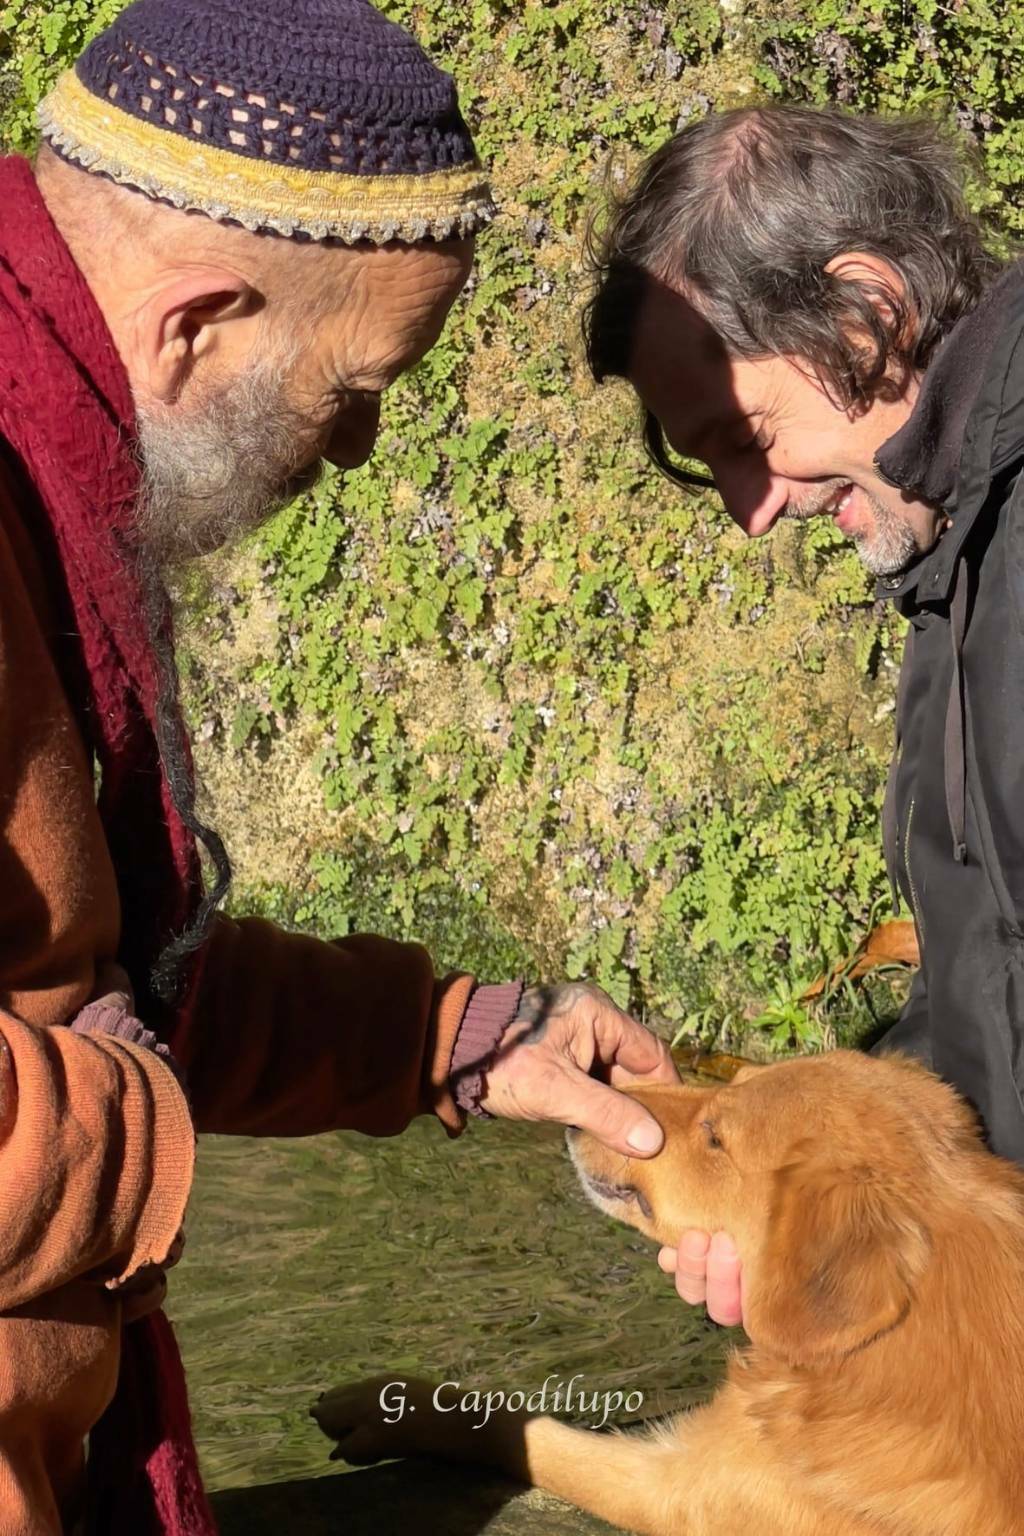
[261, 194]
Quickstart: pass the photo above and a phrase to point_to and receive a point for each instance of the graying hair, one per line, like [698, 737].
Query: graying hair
[744, 210]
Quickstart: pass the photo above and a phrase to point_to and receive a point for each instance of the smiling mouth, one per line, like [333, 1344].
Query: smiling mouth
[834, 505]
[604, 1189]
[840, 501]
[839, 507]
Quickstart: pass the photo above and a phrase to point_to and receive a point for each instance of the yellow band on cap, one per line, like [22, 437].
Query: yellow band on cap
[260, 194]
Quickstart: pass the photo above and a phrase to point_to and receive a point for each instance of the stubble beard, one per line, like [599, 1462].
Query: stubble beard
[890, 545]
[886, 548]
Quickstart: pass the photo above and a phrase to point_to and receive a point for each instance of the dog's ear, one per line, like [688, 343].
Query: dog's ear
[839, 1265]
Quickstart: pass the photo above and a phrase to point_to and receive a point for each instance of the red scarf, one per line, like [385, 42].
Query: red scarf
[66, 411]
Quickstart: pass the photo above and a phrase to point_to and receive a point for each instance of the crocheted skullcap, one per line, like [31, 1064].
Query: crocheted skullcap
[307, 118]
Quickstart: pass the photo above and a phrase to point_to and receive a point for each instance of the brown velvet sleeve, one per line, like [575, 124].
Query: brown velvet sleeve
[291, 1035]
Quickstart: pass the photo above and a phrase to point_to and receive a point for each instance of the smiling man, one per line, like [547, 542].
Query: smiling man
[802, 301]
[241, 229]
[771, 435]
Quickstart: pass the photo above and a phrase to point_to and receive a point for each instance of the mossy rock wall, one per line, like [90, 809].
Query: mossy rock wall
[502, 690]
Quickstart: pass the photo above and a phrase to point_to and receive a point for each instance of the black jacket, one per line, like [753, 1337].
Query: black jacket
[954, 816]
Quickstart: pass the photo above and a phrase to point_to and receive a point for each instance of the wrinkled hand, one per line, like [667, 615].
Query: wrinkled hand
[707, 1269]
[565, 1055]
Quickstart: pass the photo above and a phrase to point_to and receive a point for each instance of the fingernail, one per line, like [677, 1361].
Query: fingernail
[645, 1137]
[724, 1246]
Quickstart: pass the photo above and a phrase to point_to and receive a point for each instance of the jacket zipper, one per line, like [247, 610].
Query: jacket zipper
[910, 876]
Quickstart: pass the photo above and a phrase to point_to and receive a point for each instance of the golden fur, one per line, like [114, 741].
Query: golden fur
[882, 1392]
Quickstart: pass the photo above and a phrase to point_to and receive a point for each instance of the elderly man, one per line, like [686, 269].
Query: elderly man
[802, 301]
[238, 234]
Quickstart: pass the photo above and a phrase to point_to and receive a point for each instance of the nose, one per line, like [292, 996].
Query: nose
[754, 498]
[354, 431]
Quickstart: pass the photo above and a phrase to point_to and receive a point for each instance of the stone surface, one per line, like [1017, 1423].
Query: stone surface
[426, 1498]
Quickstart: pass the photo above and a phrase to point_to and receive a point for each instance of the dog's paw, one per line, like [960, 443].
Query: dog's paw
[378, 1419]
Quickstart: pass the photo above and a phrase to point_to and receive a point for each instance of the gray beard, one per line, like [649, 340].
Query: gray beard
[213, 474]
[210, 475]
[887, 549]
[890, 546]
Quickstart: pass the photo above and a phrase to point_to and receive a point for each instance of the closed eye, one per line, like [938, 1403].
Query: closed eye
[714, 1141]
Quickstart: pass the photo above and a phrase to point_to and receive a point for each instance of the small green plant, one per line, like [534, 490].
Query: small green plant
[788, 1021]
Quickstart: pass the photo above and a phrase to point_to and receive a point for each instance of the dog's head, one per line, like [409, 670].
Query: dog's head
[827, 1171]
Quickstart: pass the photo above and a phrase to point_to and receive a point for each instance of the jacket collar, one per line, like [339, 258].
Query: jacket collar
[966, 428]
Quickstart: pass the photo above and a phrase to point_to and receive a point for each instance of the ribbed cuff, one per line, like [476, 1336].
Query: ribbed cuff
[165, 1176]
[170, 1164]
[108, 1019]
[488, 1014]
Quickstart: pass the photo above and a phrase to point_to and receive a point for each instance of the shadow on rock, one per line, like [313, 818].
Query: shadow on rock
[427, 1496]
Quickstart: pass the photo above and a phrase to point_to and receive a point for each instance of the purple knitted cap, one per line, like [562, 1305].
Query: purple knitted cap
[316, 117]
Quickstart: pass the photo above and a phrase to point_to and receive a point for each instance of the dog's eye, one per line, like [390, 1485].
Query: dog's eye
[713, 1139]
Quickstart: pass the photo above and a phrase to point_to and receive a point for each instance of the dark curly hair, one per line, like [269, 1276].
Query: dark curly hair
[744, 210]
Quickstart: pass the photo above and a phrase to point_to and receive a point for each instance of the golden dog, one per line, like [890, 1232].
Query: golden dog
[883, 1387]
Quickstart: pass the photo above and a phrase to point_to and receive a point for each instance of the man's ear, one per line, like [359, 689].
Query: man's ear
[181, 323]
[839, 1266]
[880, 284]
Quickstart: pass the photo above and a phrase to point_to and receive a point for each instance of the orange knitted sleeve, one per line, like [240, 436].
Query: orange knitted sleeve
[96, 1159]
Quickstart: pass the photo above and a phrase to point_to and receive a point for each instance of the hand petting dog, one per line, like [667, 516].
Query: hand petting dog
[545, 1070]
[565, 1056]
